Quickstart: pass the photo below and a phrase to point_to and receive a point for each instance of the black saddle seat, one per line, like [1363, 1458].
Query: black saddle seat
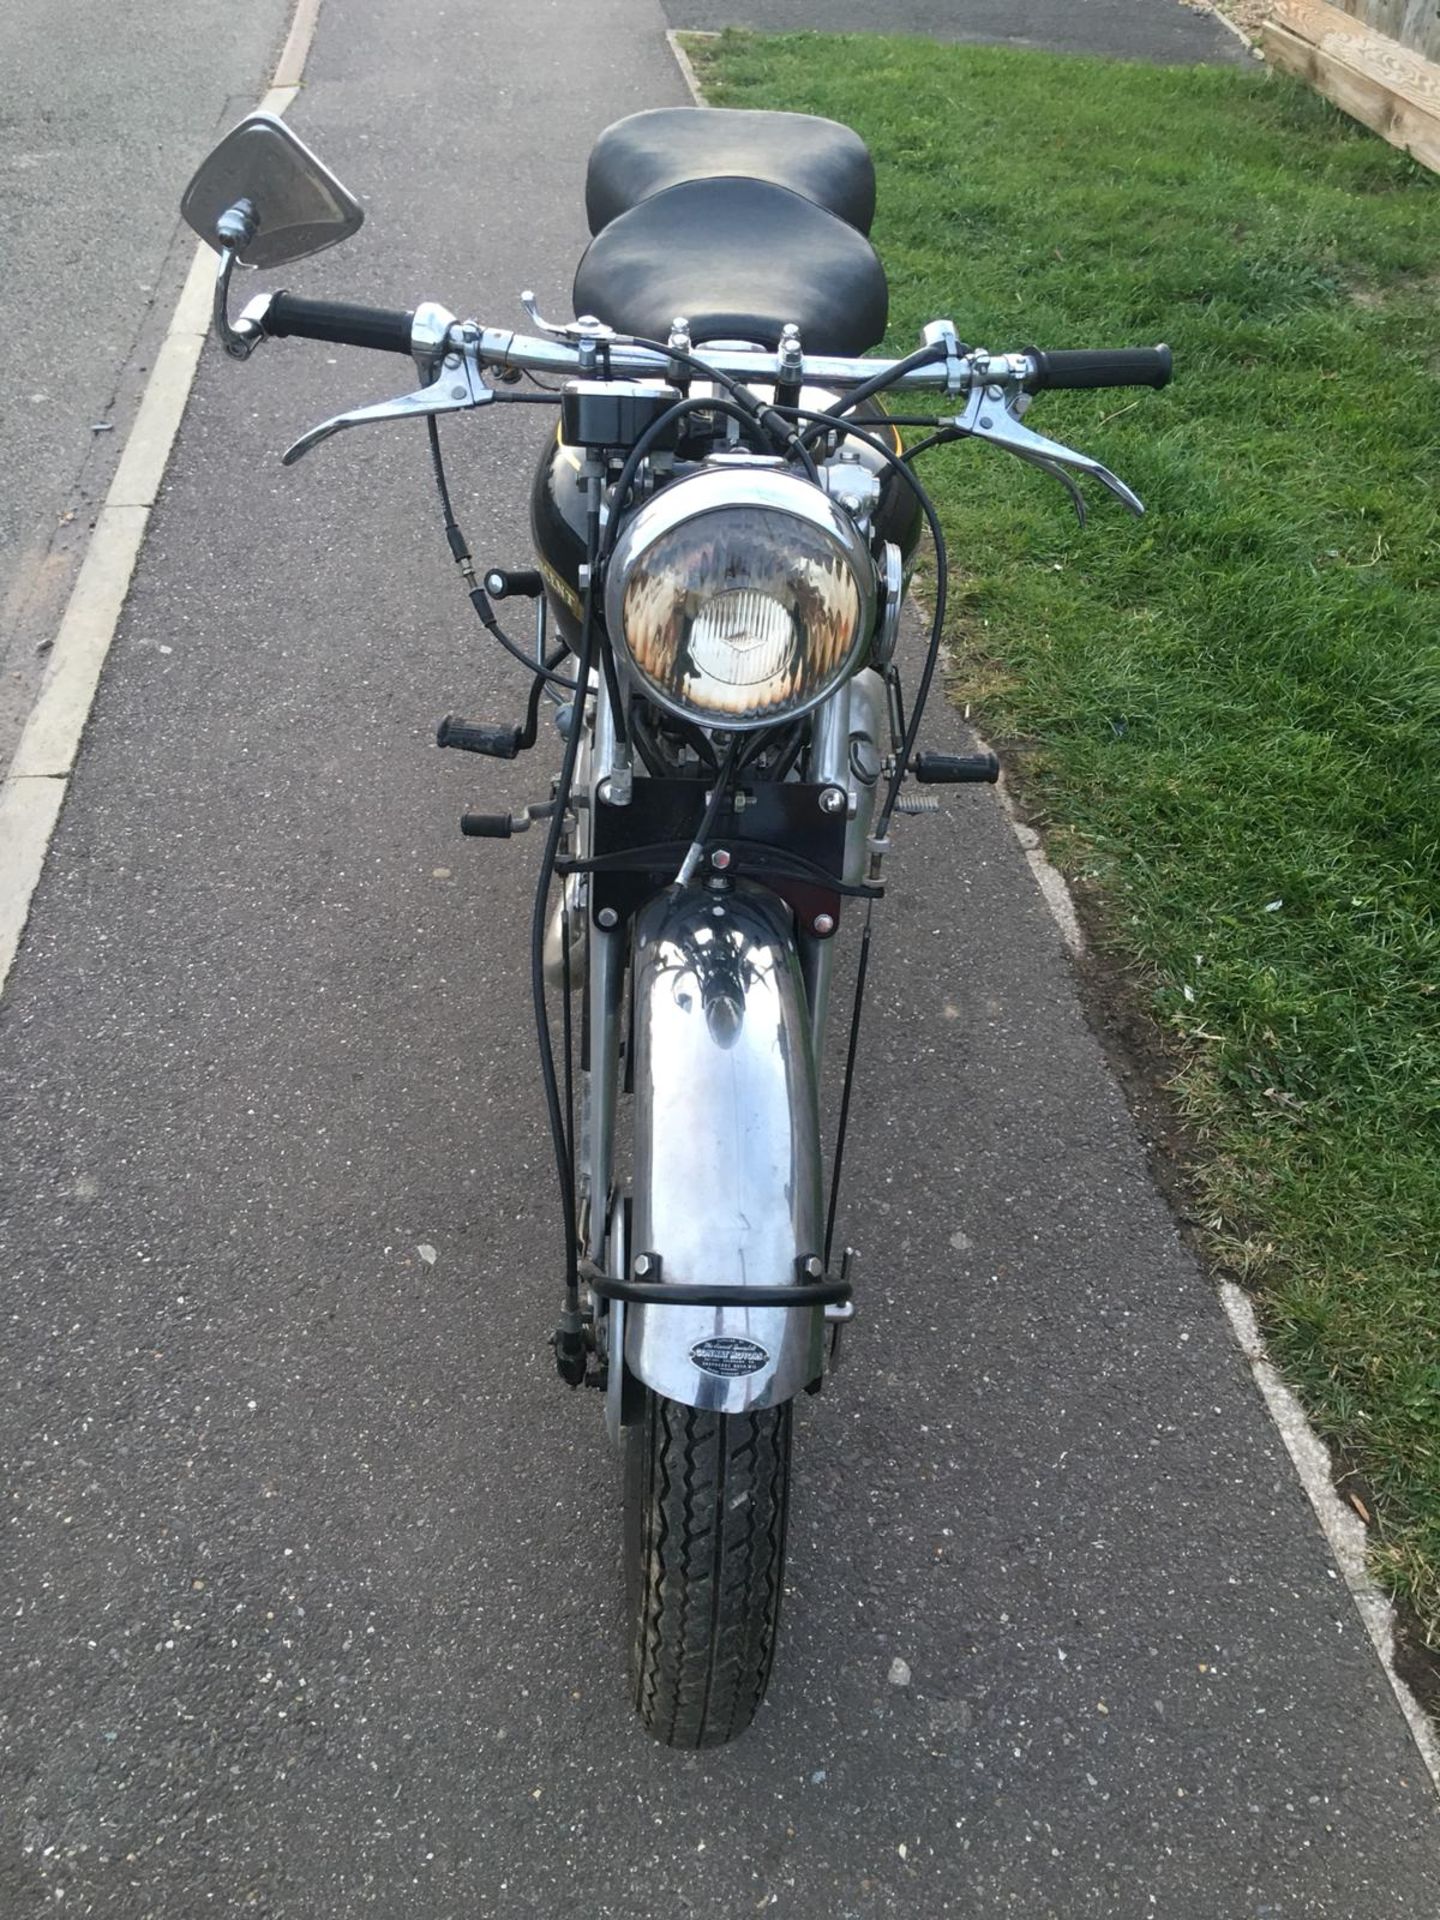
[647, 152]
[738, 258]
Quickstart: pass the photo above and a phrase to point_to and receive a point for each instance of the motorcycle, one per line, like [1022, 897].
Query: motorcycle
[725, 521]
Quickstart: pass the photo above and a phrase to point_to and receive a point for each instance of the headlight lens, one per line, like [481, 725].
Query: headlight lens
[740, 596]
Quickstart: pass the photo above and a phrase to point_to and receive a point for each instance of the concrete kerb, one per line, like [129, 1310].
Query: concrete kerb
[37, 780]
[1344, 1531]
[682, 60]
[1233, 26]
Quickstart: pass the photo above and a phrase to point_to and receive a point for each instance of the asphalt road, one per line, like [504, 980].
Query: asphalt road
[1165, 30]
[314, 1566]
[102, 109]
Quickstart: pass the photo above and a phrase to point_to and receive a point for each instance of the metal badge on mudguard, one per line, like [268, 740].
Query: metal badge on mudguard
[727, 1356]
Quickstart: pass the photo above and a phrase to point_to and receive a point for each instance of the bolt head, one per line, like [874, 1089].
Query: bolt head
[641, 1266]
[823, 923]
[814, 1267]
[834, 800]
[721, 858]
[608, 917]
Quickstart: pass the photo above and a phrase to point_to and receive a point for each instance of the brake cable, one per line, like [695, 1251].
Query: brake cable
[570, 1334]
[479, 599]
[862, 968]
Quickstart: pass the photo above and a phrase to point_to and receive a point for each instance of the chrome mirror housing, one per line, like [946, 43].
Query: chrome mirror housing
[266, 199]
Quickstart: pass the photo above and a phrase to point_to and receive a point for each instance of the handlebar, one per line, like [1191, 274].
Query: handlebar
[590, 350]
[384, 329]
[1101, 367]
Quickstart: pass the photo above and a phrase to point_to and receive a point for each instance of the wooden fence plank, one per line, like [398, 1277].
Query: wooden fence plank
[1414, 23]
[1374, 79]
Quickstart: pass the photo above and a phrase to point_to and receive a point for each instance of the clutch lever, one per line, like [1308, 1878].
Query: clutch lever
[994, 415]
[457, 386]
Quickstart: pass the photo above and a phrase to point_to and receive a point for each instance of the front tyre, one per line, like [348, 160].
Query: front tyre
[706, 1496]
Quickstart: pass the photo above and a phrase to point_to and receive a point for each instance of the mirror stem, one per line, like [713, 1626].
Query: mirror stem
[235, 229]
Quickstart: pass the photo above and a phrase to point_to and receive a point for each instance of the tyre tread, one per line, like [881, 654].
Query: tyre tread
[710, 1532]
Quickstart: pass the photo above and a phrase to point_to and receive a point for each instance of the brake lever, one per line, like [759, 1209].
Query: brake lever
[457, 386]
[994, 415]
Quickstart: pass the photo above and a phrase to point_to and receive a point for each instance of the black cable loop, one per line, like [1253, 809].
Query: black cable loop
[690, 404]
[922, 357]
[544, 676]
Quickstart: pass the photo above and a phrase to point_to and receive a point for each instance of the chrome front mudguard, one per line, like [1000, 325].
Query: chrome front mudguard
[727, 1165]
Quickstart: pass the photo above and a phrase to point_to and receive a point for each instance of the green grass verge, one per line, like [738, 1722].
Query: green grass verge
[1228, 715]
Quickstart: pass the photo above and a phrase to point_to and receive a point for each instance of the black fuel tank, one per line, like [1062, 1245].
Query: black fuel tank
[557, 525]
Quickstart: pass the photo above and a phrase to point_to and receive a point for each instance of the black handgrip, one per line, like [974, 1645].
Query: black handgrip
[1100, 367]
[486, 826]
[501, 743]
[337, 321]
[508, 583]
[954, 769]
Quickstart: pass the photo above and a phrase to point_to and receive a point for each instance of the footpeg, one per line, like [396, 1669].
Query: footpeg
[955, 769]
[525, 583]
[501, 743]
[502, 826]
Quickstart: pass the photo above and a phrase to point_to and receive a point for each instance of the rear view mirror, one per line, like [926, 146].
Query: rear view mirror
[263, 189]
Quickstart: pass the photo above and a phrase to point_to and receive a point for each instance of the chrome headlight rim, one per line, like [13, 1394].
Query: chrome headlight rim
[756, 484]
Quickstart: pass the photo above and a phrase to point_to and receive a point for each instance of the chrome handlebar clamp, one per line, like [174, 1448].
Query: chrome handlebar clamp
[430, 336]
[941, 333]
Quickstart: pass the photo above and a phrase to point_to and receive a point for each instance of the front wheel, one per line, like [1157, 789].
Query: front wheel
[706, 1496]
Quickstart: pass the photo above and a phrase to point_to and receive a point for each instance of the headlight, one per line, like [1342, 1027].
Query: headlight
[740, 596]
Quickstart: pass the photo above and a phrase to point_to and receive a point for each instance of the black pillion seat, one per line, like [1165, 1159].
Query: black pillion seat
[647, 152]
[738, 259]
[740, 222]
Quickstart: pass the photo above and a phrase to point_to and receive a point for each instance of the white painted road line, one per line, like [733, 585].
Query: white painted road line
[51, 739]
[290, 67]
[28, 812]
[34, 788]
